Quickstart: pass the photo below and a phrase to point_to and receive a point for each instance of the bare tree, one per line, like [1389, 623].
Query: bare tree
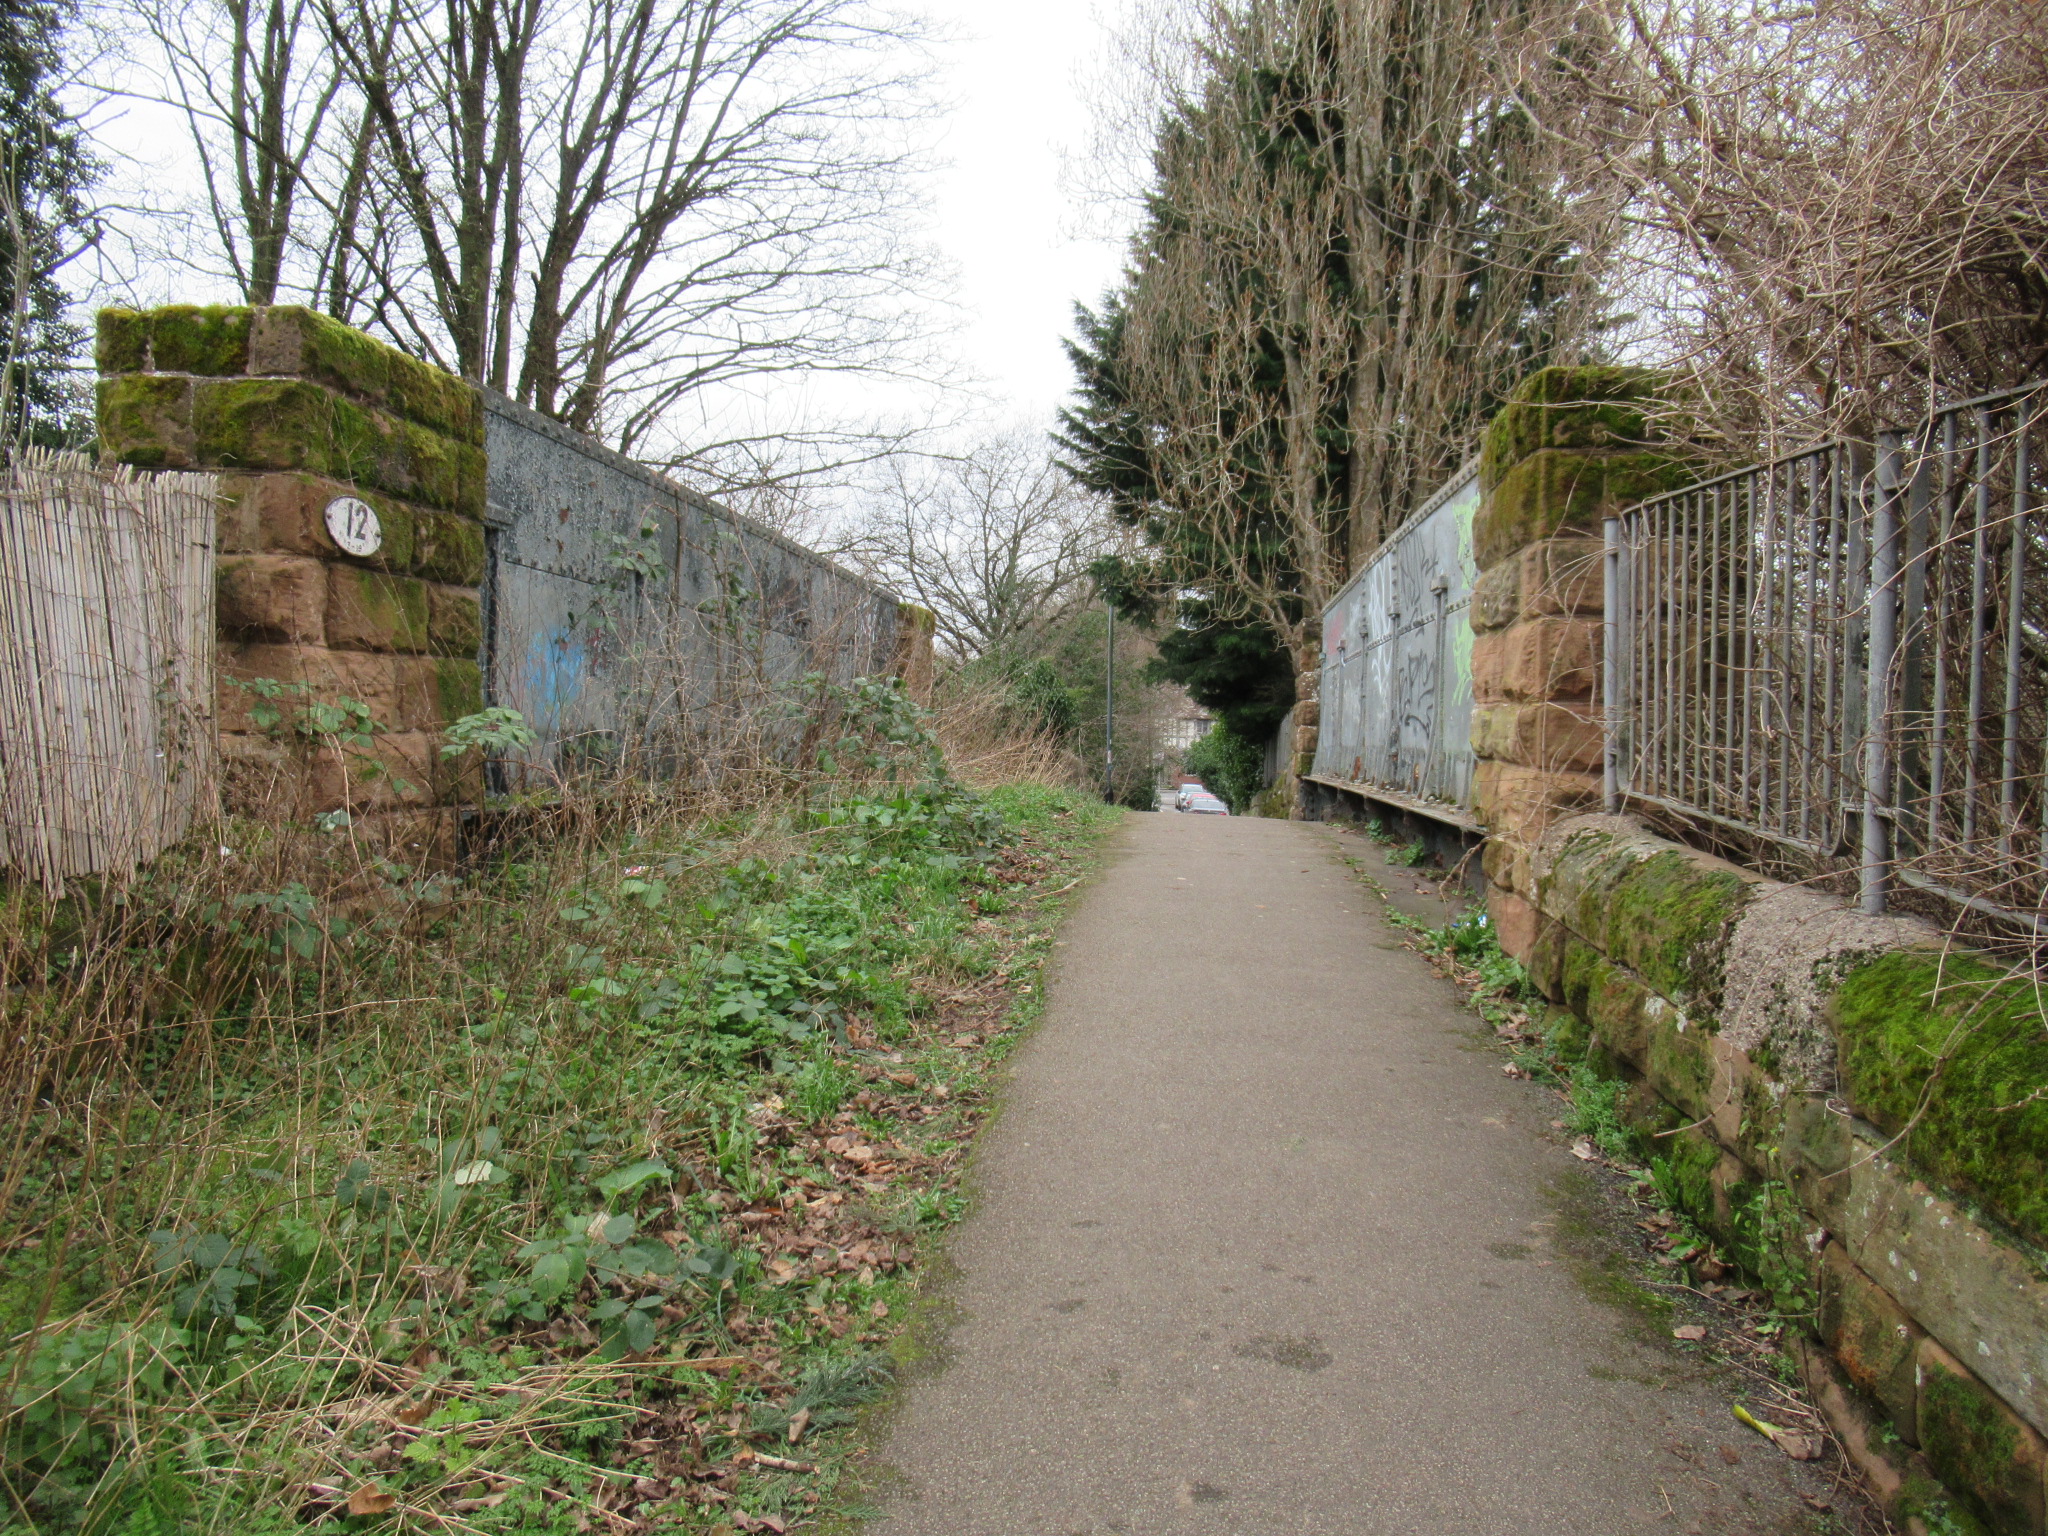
[996, 542]
[1838, 209]
[602, 207]
[256, 86]
[1355, 248]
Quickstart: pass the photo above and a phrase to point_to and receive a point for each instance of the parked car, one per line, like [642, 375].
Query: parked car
[1187, 791]
[1202, 803]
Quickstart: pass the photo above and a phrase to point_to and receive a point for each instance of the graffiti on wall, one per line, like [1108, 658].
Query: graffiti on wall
[1397, 658]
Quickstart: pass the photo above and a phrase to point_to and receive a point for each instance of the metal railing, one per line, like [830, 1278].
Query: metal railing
[1845, 652]
[1396, 685]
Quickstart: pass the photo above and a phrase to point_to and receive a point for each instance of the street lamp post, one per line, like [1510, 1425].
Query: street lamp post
[1109, 710]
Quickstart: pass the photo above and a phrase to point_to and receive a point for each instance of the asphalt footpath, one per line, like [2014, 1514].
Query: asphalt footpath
[1264, 1241]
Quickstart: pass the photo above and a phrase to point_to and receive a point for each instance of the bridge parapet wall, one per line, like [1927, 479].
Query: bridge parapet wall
[1851, 1107]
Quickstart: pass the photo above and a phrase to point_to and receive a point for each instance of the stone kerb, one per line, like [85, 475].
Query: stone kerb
[1572, 446]
[1846, 1103]
[295, 411]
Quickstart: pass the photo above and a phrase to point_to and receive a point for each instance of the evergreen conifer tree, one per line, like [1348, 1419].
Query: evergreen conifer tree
[47, 170]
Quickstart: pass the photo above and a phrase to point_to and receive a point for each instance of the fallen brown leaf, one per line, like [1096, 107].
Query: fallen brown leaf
[1692, 1332]
[371, 1500]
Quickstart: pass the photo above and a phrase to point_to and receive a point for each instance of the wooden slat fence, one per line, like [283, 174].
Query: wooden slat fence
[106, 663]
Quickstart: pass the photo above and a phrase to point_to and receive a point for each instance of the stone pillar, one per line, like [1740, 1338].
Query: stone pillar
[296, 412]
[912, 661]
[1570, 447]
[1307, 716]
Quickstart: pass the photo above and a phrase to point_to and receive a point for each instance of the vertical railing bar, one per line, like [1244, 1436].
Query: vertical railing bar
[1909, 737]
[1938, 560]
[1766, 543]
[1704, 779]
[1640, 625]
[1831, 712]
[1653, 648]
[1638, 638]
[1660, 621]
[1674, 645]
[1676, 660]
[1660, 536]
[2009, 747]
[1764, 592]
[1980, 576]
[1856, 574]
[1687, 668]
[1723, 728]
[1610, 663]
[1884, 560]
[1809, 529]
[1747, 564]
[1786, 556]
[1643, 750]
[1674, 654]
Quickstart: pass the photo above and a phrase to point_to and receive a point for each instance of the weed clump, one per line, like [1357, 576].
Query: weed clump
[566, 1189]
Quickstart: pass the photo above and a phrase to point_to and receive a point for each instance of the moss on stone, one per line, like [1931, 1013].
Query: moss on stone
[284, 424]
[1553, 489]
[1667, 917]
[450, 548]
[1870, 1334]
[454, 622]
[146, 420]
[180, 338]
[1561, 384]
[1497, 597]
[1680, 1061]
[1607, 998]
[208, 339]
[1684, 1174]
[1569, 408]
[370, 611]
[121, 342]
[1954, 1048]
[1974, 1447]
[1525, 427]
[1762, 1111]
[1567, 1034]
[295, 424]
[459, 685]
[299, 340]
[398, 550]
[1925, 1500]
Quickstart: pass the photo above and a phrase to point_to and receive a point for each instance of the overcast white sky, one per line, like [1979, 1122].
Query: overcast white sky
[1000, 210]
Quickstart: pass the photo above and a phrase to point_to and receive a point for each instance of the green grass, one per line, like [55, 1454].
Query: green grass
[548, 1204]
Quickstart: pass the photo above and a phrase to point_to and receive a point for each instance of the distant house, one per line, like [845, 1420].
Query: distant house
[1183, 728]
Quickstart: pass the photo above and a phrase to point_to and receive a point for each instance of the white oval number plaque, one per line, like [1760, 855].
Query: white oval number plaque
[353, 525]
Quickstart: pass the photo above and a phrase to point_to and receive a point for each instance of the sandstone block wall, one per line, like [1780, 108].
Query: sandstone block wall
[1573, 446]
[1843, 1102]
[295, 410]
[1857, 1112]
